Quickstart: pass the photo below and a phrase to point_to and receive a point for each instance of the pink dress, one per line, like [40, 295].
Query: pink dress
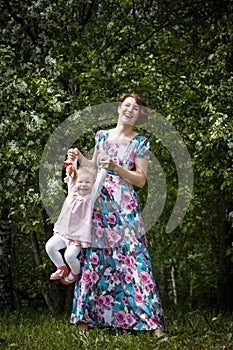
[75, 220]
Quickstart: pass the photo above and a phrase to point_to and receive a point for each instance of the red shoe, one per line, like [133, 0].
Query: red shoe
[69, 279]
[61, 271]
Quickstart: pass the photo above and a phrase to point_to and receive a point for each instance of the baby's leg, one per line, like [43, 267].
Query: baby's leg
[54, 244]
[71, 253]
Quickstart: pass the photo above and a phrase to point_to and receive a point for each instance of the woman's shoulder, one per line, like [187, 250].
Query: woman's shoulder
[141, 138]
[101, 134]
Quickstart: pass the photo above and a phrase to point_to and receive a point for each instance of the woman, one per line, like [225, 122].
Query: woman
[117, 287]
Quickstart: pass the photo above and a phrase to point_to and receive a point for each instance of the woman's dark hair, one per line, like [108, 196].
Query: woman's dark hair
[142, 104]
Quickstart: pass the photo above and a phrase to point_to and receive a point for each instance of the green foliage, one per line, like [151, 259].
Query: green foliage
[60, 57]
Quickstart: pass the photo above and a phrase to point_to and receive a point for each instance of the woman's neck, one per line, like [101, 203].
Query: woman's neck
[122, 132]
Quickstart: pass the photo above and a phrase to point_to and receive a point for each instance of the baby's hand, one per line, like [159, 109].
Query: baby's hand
[70, 169]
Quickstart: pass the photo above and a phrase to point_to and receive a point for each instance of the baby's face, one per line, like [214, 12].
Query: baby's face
[84, 184]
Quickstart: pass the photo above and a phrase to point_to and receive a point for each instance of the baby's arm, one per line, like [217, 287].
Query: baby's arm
[98, 184]
[70, 178]
[71, 183]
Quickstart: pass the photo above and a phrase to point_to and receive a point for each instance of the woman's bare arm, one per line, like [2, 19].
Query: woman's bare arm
[83, 161]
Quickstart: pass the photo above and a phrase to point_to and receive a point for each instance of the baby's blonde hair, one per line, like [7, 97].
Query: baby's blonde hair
[85, 170]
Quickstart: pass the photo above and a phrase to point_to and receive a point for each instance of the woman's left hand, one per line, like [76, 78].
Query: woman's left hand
[107, 163]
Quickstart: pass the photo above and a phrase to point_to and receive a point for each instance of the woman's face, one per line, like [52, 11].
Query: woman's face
[128, 111]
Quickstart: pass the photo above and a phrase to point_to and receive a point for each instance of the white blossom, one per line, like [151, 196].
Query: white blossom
[49, 60]
[22, 86]
[32, 196]
[13, 146]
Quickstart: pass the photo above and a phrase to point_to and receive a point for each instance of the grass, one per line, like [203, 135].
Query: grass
[40, 330]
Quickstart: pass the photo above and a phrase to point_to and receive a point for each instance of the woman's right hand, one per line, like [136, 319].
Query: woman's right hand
[72, 153]
[107, 163]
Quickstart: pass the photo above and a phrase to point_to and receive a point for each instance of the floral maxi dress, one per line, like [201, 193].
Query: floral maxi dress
[116, 287]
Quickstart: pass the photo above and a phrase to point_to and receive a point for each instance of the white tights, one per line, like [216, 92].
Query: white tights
[54, 244]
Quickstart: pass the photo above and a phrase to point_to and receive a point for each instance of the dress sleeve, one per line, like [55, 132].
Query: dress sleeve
[98, 137]
[71, 184]
[143, 147]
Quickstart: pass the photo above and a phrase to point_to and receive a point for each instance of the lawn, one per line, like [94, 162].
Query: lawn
[39, 330]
